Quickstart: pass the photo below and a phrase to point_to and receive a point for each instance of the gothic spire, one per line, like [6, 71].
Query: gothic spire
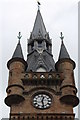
[40, 47]
[39, 27]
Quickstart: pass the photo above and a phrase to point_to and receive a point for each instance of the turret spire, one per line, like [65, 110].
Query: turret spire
[63, 51]
[64, 55]
[18, 51]
[18, 54]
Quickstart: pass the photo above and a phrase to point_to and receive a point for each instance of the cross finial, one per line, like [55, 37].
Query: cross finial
[38, 4]
[62, 37]
[19, 36]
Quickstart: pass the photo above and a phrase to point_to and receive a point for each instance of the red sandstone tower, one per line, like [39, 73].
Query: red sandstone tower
[41, 89]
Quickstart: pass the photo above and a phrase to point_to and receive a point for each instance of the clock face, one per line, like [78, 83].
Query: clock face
[42, 101]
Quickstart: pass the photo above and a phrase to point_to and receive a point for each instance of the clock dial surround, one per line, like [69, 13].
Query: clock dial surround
[42, 101]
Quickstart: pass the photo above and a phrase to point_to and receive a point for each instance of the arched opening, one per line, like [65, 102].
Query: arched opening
[41, 69]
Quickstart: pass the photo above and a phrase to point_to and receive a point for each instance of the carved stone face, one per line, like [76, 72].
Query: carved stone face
[42, 101]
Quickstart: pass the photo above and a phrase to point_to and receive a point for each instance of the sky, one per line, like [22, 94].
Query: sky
[19, 16]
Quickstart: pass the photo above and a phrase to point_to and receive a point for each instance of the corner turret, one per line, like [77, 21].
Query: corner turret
[66, 65]
[16, 65]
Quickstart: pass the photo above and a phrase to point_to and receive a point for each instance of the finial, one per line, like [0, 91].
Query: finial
[38, 4]
[19, 36]
[62, 37]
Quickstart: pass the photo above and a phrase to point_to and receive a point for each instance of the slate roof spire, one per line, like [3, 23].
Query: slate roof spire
[40, 47]
[18, 54]
[18, 51]
[63, 50]
[39, 27]
[64, 55]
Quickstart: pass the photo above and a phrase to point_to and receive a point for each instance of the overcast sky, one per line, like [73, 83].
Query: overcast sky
[19, 16]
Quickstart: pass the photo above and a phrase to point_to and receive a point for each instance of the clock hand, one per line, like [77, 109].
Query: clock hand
[43, 102]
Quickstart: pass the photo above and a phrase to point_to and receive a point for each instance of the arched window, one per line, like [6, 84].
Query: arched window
[41, 69]
[39, 44]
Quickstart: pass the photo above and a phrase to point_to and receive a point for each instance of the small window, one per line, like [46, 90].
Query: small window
[47, 46]
[32, 46]
[57, 76]
[42, 76]
[39, 44]
[26, 76]
[50, 76]
[34, 76]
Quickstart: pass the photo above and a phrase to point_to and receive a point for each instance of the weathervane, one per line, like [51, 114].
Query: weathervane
[19, 36]
[38, 5]
[62, 37]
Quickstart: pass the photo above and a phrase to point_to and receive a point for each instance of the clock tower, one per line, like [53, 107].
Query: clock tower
[39, 88]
